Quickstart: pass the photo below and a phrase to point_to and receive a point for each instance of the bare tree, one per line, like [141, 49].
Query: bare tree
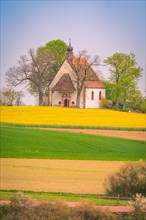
[9, 96]
[34, 69]
[82, 66]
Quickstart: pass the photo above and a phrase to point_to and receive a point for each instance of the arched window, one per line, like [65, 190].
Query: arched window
[100, 95]
[92, 95]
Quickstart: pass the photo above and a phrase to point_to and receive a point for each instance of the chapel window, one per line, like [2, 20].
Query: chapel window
[100, 95]
[92, 95]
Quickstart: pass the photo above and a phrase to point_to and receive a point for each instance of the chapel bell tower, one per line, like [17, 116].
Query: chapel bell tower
[69, 53]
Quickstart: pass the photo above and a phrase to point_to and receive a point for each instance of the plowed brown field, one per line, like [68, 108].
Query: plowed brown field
[56, 175]
[136, 135]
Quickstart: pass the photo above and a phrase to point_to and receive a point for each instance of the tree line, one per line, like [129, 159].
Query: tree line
[37, 69]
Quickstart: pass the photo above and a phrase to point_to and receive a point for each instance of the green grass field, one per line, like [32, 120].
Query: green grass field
[35, 143]
[68, 197]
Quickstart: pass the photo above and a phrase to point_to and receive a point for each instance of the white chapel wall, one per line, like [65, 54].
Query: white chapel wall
[57, 97]
[95, 103]
[65, 68]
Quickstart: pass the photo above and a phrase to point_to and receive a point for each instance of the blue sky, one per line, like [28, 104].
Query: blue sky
[101, 27]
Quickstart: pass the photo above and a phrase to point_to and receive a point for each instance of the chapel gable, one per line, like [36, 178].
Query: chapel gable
[63, 88]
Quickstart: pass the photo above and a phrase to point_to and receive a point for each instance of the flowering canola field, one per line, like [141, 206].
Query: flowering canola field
[36, 115]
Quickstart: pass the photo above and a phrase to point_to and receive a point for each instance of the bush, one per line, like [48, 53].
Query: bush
[143, 106]
[21, 207]
[55, 211]
[138, 208]
[128, 181]
[4, 209]
[52, 211]
[104, 103]
[19, 213]
[126, 110]
[21, 199]
[87, 211]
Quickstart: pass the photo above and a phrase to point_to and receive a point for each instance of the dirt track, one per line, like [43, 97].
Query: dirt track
[74, 204]
[135, 135]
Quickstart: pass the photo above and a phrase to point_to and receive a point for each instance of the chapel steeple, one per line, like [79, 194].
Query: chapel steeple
[69, 53]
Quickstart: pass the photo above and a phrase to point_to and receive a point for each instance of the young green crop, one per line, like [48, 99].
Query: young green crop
[36, 143]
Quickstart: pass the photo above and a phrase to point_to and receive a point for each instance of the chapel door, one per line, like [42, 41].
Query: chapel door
[66, 103]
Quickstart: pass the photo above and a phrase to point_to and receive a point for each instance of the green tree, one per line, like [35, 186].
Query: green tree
[110, 90]
[124, 74]
[58, 48]
[143, 105]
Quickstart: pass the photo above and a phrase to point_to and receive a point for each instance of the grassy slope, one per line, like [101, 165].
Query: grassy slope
[70, 197]
[33, 143]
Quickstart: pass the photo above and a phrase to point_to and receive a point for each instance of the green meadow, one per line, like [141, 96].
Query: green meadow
[70, 197]
[18, 142]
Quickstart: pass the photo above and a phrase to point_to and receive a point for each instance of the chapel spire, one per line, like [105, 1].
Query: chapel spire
[69, 53]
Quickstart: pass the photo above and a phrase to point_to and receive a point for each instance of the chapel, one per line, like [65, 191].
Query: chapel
[63, 88]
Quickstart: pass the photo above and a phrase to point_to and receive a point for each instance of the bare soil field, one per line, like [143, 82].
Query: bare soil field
[135, 135]
[74, 176]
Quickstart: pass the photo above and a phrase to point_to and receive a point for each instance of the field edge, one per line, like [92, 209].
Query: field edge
[5, 124]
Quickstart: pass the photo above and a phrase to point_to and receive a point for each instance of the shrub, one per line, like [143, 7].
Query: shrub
[52, 211]
[128, 181]
[4, 209]
[143, 106]
[126, 110]
[87, 211]
[21, 199]
[21, 207]
[104, 103]
[138, 208]
[19, 213]
[56, 211]
[44, 211]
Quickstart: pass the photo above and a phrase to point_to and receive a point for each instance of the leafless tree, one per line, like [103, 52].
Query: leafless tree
[34, 69]
[83, 66]
[9, 96]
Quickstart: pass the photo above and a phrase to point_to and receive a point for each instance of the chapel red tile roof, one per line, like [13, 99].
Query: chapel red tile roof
[94, 84]
[64, 84]
[81, 63]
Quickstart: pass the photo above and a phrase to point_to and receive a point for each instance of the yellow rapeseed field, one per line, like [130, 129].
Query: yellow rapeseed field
[73, 117]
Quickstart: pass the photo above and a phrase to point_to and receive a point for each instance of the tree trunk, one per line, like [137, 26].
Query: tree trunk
[40, 98]
[117, 104]
[79, 90]
[124, 105]
[78, 100]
